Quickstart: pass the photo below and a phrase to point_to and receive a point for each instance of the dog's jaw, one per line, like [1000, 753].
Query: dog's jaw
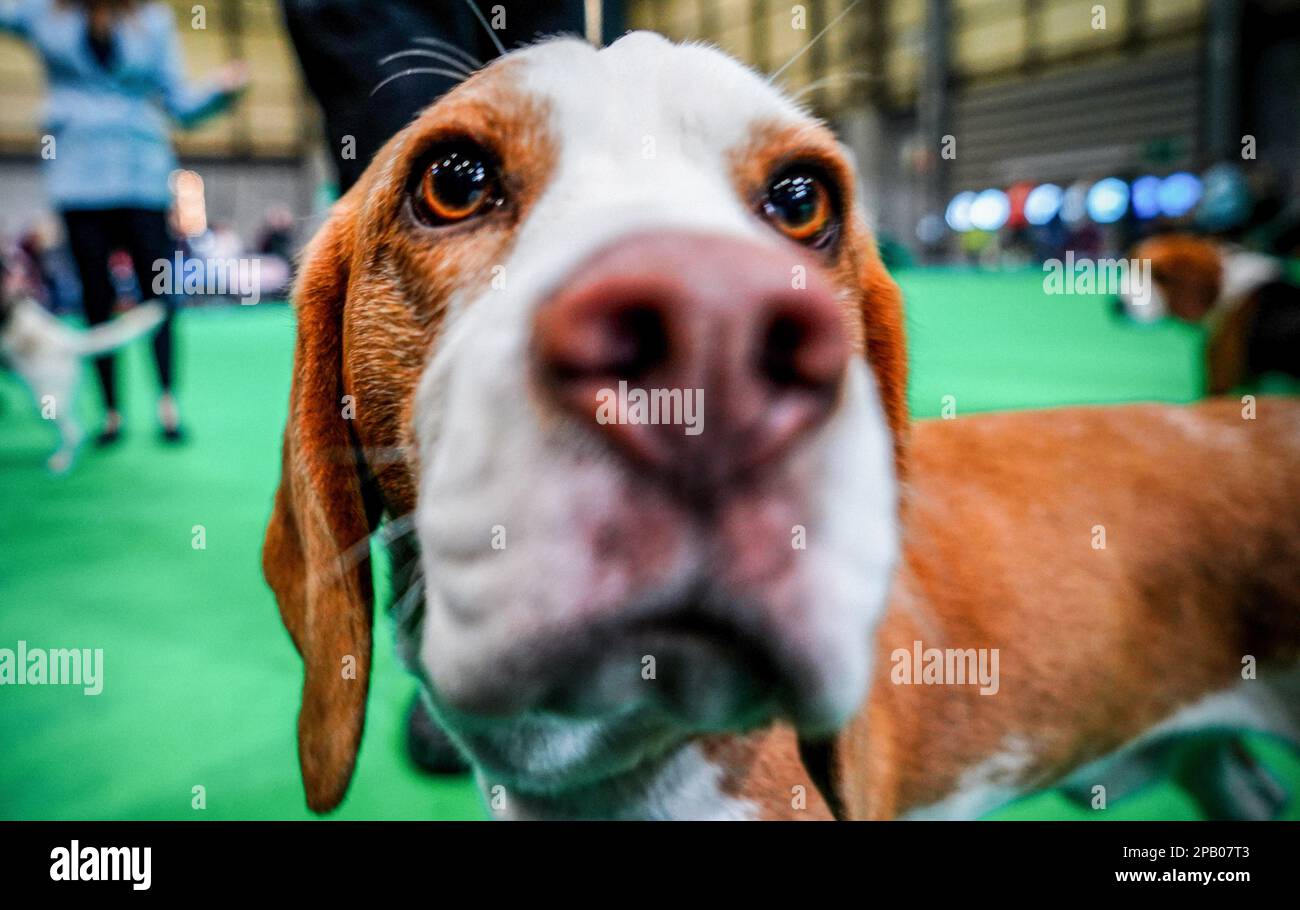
[512, 502]
[683, 784]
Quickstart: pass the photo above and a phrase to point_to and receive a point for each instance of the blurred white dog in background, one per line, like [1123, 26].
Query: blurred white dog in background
[46, 353]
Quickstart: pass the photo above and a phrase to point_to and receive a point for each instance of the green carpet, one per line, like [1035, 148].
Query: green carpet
[201, 681]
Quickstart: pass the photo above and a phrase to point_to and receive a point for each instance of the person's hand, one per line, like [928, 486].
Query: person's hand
[232, 77]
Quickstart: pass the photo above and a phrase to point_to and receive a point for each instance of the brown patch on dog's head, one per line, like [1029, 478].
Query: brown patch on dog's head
[1188, 271]
[374, 287]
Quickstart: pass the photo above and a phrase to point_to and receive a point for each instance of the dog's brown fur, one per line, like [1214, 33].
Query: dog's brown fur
[1201, 567]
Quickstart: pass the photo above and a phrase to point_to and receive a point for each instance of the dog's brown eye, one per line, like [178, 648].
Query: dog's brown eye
[459, 182]
[798, 203]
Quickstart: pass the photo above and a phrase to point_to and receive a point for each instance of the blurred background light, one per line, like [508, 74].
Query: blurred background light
[1074, 203]
[929, 229]
[1017, 194]
[1179, 193]
[1043, 203]
[191, 212]
[1145, 197]
[1226, 200]
[958, 213]
[1107, 201]
[990, 210]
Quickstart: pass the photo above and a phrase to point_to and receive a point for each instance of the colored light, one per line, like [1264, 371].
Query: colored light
[1179, 194]
[1145, 197]
[1042, 203]
[1017, 193]
[958, 212]
[929, 230]
[191, 206]
[1074, 203]
[990, 210]
[1107, 200]
[1226, 200]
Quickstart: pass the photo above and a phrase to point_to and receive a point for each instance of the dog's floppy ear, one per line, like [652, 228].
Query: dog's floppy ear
[315, 556]
[886, 341]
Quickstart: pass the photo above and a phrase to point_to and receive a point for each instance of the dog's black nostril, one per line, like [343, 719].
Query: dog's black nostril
[779, 351]
[626, 343]
[800, 349]
[638, 342]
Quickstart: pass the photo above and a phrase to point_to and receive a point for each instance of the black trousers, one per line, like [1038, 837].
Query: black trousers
[93, 234]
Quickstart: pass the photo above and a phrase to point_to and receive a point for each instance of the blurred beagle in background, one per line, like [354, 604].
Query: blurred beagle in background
[1251, 314]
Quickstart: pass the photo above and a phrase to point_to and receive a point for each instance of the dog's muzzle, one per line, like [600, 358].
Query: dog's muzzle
[697, 375]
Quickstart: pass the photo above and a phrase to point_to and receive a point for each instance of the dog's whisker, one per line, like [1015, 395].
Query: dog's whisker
[815, 38]
[390, 530]
[832, 79]
[478, 14]
[371, 455]
[426, 70]
[406, 609]
[465, 55]
[396, 528]
[440, 56]
[379, 455]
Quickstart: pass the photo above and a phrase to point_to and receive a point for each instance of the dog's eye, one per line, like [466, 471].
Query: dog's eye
[799, 204]
[459, 182]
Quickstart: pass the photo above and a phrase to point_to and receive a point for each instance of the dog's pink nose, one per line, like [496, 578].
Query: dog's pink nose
[696, 354]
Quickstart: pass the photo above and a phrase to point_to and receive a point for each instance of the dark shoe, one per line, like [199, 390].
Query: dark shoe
[111, 431]
[429, 747]
[169, 418]
[108, 437]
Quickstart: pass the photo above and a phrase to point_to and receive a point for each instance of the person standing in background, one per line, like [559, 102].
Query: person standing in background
[346, 50]
[115, 76]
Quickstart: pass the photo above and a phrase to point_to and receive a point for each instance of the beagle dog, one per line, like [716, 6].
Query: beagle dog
[1250, 312]
[616, 617]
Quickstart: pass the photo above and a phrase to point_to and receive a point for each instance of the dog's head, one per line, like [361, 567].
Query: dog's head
[609, 327]
[1186, 278]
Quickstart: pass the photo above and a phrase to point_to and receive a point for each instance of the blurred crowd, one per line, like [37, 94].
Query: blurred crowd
[39, 256]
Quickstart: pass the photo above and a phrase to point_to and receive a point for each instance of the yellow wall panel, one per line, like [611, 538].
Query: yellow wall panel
[1172, 15]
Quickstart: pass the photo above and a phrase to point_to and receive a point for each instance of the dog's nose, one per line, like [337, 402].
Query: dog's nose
[700, 355]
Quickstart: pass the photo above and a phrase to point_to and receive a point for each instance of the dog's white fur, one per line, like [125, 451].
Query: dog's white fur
[47, 354]
[644, 129]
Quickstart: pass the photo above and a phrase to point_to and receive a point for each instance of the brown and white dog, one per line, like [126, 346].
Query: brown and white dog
[1250, 313]
[627, 620]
